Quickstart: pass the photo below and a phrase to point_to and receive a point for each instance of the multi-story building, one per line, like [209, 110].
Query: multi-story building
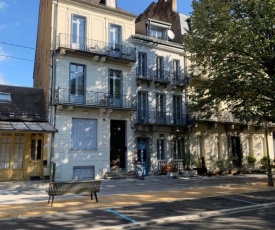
[161, 77]
[84, 61]
[217, 140]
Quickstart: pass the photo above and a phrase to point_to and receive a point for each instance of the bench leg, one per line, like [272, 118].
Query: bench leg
[95, 196]
[52, 201]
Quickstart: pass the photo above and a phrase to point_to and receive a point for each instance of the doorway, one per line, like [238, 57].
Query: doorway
[236, 151]
[142, 153]
[117, 145]
[36, 156]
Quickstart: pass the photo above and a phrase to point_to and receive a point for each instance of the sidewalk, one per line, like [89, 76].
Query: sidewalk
[29, 198]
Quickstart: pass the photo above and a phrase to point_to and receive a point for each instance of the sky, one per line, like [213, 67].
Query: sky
[18, 30]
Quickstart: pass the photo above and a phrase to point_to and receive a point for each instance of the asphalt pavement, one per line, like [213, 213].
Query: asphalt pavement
[29, 198]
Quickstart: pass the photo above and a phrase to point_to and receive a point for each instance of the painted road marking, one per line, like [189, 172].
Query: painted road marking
[243, 201]
[121, 215]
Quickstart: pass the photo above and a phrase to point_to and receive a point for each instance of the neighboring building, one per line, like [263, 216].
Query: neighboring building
[24, 131]
[89, 83]
[161, 76]
[217, 139]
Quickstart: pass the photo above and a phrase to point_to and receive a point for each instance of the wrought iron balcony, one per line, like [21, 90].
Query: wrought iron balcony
[95, 48]
[94, 99]
[160, 118]
[161, 76]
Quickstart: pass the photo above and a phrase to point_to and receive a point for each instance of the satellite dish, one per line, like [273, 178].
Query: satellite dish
[171, 35]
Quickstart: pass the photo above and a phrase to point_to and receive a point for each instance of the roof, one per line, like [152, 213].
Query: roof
[183, 23]
[27, 126]
[23, 109]
[26, 104]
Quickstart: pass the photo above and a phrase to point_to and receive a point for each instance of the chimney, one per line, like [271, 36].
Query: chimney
[110, 3]
[174, 5]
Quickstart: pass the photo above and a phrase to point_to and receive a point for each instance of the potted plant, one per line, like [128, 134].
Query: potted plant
[251, 161]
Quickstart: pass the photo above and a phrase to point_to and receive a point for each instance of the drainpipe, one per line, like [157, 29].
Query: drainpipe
[52, 87]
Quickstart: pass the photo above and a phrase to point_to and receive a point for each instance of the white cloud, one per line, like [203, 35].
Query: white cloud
[3, 81]
[3, 5]
[2, 55]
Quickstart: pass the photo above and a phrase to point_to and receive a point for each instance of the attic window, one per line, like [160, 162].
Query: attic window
[5, 97]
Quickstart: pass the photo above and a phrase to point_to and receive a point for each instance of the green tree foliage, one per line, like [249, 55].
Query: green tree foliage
[232, 43]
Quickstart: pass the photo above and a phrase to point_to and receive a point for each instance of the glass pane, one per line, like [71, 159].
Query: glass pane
[33, 148]
[39, 150]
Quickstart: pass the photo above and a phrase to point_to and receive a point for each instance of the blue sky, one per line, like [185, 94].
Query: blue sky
[18, 28]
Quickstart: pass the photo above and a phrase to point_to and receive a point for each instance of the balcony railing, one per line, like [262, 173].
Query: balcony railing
[223, 117]
[161, 76]
[96, 47]
[95, 99]
[160, 118]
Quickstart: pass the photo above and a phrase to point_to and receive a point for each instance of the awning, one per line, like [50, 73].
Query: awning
[43, 127]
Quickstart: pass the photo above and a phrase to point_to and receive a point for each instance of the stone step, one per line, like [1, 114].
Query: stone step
[119, 175]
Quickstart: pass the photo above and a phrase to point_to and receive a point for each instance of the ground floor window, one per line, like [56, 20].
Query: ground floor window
[11, 150]
[18, 151]
[84, 134]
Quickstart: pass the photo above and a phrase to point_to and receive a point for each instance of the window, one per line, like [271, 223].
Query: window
[143, 107]
[5, 150]
[159, 67]
[160, 108]
[158, 32]
[160, 149]
[77, 76]
[177, 110]
[177, 149]
[176, 69]
[36, 147]
[142, 64]
[18, 152]
[78, 32]
[5, 97]
[84, 134]
[115, 36]
[115, 87]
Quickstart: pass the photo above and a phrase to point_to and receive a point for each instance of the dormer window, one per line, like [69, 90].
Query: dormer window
[5, 97]
[156, 32]
[158, 29]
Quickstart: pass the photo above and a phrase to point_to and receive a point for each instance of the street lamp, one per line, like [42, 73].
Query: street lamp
[269, 172]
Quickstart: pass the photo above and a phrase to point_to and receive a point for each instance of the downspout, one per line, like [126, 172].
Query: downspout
[52, 87]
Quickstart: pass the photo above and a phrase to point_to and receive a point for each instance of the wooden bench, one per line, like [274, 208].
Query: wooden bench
[73, 187]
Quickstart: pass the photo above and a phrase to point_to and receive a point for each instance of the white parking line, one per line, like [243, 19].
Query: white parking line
[121, 215]
[243, 201]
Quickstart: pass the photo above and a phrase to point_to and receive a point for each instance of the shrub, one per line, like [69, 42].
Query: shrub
[251, 160]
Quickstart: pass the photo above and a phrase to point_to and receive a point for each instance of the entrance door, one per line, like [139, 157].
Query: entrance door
[35, 164]
[118, 145]
[142, 151]
[236, 151]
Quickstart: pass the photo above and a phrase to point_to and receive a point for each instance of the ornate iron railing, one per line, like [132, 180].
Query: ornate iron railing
[160, 118]
[96, 47]
[91, 98]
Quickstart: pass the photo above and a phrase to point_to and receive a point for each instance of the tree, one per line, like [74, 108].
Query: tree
[232, 44]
